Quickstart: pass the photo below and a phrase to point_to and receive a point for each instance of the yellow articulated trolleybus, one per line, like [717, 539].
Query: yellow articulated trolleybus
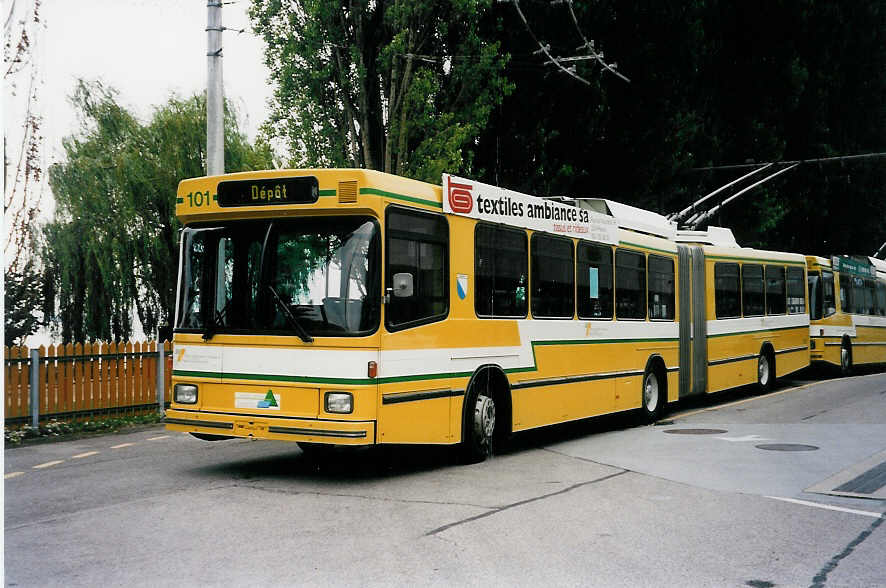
[352, 307]
[847, 307]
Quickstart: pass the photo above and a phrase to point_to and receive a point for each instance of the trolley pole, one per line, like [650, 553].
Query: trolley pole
[215, 116]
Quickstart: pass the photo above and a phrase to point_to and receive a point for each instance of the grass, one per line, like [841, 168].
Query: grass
[55, 429]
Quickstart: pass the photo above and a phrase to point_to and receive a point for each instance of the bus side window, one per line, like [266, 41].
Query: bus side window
[594, 279]
[846, 302]
[870, 297]
[828, 301]
[500, 272]
[796, 291]
[727, 293]
[752, 287]
[775, 291]
[881, 298]
[630, 285]
[661, 288]
[418, 246]
[553, 277]
[814, 282]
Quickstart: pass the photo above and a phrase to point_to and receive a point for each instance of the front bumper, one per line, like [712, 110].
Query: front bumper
[263, 427]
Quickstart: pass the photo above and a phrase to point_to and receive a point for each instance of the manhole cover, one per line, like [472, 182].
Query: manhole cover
[787, 447]
[696, 431]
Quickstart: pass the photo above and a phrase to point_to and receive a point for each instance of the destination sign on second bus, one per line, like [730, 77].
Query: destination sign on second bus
[264, 191]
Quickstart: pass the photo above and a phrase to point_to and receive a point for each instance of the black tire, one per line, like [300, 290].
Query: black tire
[651, 395]
[210, 437]
[846, 359]
[479, 426]
[765, 372]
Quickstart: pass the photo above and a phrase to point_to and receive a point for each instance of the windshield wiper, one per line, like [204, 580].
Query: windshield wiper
[299, 330]
[216, 321]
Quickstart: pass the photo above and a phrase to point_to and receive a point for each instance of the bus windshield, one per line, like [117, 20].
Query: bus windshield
[304, 277]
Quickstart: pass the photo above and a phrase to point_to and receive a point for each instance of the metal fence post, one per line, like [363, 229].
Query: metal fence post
[161, 379]
[35, 388]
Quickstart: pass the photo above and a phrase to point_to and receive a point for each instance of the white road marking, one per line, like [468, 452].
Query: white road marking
[122, 445]
[82, 455]
[864, 513]
[744, 439]
[158, 438]
[48, 464]
[12, 475]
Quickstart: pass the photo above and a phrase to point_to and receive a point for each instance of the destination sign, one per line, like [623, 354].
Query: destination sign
[848, 265]
[498, 205]
[266, 191]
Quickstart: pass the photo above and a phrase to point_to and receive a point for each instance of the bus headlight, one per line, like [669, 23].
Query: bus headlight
[185, 394]
[339, 402]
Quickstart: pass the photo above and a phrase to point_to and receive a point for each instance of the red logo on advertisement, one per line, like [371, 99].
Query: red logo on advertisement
[460, 199]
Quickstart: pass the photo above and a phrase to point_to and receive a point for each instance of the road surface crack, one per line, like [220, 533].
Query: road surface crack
[362, 496]
[821, 578]
[523, 502]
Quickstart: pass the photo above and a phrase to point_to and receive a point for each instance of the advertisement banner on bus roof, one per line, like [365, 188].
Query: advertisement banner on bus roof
[499, 205]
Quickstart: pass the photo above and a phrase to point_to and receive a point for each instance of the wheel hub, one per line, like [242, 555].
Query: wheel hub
[650, 392]
[484, 417]
[763, 370]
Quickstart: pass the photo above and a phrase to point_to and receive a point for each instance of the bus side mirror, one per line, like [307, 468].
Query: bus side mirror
[403, 285]
[164, 333]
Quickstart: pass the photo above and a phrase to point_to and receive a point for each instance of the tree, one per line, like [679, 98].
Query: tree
[23, 293]
[399, 86]
[111, 248]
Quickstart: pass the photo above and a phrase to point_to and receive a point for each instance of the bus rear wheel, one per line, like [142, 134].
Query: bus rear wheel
[651, 395]
[765, 372]
[480, 427]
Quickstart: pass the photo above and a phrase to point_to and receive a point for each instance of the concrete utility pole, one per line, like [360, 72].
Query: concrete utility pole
[215, 116]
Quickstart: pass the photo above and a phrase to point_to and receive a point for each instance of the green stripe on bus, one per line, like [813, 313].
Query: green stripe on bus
[646, 247]
[412, 199]
[778, 261]
[327, 192]
[802, 328]
[398, 379]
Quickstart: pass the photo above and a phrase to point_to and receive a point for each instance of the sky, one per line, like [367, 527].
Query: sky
[146, 49]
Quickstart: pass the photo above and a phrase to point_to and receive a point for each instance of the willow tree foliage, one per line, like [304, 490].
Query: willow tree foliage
[111, 251]
[401, 86]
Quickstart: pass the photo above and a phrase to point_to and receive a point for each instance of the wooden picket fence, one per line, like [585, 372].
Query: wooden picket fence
[83, 380]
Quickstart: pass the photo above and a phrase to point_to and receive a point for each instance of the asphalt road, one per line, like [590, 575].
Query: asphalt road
[695, 500]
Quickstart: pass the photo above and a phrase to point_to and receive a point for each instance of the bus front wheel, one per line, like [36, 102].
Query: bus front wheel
[480, 429]
[846, 359]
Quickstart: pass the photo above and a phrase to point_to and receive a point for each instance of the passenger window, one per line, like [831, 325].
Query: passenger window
[828, 299]
[775, 290]
[752, 298]
[501, 272]
[661, 288]
[796, 291]
[727, 291]
[868, 287]
[846, 301]
[553, 277]
[630, 285]
[881, 298]
[417, 276]
[594, 279]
